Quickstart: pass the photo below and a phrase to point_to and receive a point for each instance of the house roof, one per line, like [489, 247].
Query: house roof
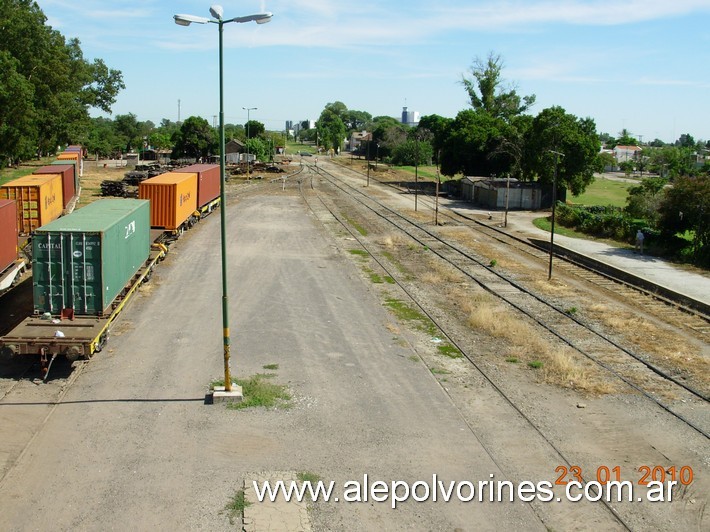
[632, 148]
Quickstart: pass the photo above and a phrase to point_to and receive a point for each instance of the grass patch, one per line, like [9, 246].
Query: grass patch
[423, 171]
[545, 225]
[605, 192]
[389, 280]
[512, 360]
[571, 311]
[375, 278]
[359, 252]
[440, 371]
[406, 313]
[535, 364]
[258, 391]
[235, 506]
[449, 351]
[307, 476]
[272, 367]
[360, 229]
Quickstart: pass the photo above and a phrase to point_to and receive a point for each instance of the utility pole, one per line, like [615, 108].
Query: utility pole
[554, 202]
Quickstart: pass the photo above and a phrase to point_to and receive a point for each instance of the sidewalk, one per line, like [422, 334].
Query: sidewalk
[654, 269]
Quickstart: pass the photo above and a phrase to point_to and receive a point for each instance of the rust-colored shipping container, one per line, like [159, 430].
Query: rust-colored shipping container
[208, 183]
[173, 199]
[67, 173]
[8, 233]
[39, 200]
[73, 156]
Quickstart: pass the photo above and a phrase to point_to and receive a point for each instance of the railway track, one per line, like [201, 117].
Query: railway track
[633, 369]
[328, 213]
[671, 310]
[638, 374]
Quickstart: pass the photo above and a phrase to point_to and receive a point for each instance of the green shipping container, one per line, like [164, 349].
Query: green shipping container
[84, 260]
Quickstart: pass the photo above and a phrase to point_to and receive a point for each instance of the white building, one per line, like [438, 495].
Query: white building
[626, 153]
[410, 118]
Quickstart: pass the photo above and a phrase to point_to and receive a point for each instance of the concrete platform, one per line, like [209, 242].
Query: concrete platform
[693, 284]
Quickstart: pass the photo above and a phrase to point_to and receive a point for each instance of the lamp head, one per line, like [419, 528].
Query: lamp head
[217, 11]
[186, 20]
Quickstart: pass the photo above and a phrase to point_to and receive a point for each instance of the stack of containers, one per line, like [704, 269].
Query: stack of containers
[173, 199]
[84, 260]
[73, 156]
[8, 233]
[75, 169]
[39, 200]
[66, 171]
[208, 182]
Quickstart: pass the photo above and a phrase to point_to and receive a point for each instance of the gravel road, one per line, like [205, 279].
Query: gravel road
[133, 446]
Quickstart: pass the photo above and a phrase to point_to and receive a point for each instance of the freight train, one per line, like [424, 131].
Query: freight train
[32, 201]
[87, 264]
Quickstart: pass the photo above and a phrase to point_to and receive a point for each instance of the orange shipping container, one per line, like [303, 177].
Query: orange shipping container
[173, 198]
[39, 200]
[73, 156]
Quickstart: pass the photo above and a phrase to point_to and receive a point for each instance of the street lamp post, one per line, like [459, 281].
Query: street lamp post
[185, 20]
[247, 109]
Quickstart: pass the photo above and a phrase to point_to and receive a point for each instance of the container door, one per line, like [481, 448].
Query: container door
[67, 273]
[47, 272]
[83, 276]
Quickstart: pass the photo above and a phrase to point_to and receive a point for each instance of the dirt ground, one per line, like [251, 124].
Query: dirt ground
[126, 440]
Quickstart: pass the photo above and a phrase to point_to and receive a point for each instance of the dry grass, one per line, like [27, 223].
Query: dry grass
[668, 347]
[561, 365]
[394, 241]
[553, 287]
[438, 273]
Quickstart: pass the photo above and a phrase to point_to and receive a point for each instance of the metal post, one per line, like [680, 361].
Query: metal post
[416, 174]
[507, 195]
[368, 163]
[223, 223]
[554, 203]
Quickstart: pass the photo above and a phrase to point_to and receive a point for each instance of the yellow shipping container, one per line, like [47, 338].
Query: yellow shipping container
[173, 198]
[39, 200]
[73, 156]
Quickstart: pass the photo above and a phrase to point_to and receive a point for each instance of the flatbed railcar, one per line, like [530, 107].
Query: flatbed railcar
[86, 268]
[81, 336]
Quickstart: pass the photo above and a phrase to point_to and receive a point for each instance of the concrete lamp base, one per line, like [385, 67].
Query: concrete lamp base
[220, 395]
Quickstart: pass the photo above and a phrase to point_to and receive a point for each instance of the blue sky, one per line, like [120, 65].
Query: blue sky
[642, 65]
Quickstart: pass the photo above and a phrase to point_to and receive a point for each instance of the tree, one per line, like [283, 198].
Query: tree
[686, 207]
[472, 138]
[196, 138]
[644, 200]
[331, 129]
[257, 147]
[16, 113]
[254, 129]
[672, 161]
[358, 120]
[554, 130]
[486, 92]
[63, 84]
[686, 140]
[439, 128]
[412, 152]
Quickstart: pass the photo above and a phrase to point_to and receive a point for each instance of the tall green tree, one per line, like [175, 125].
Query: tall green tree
[196, 138]
[554, 130]
[64, 86]
[487, 92]
[254, 129]
[331, 129]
